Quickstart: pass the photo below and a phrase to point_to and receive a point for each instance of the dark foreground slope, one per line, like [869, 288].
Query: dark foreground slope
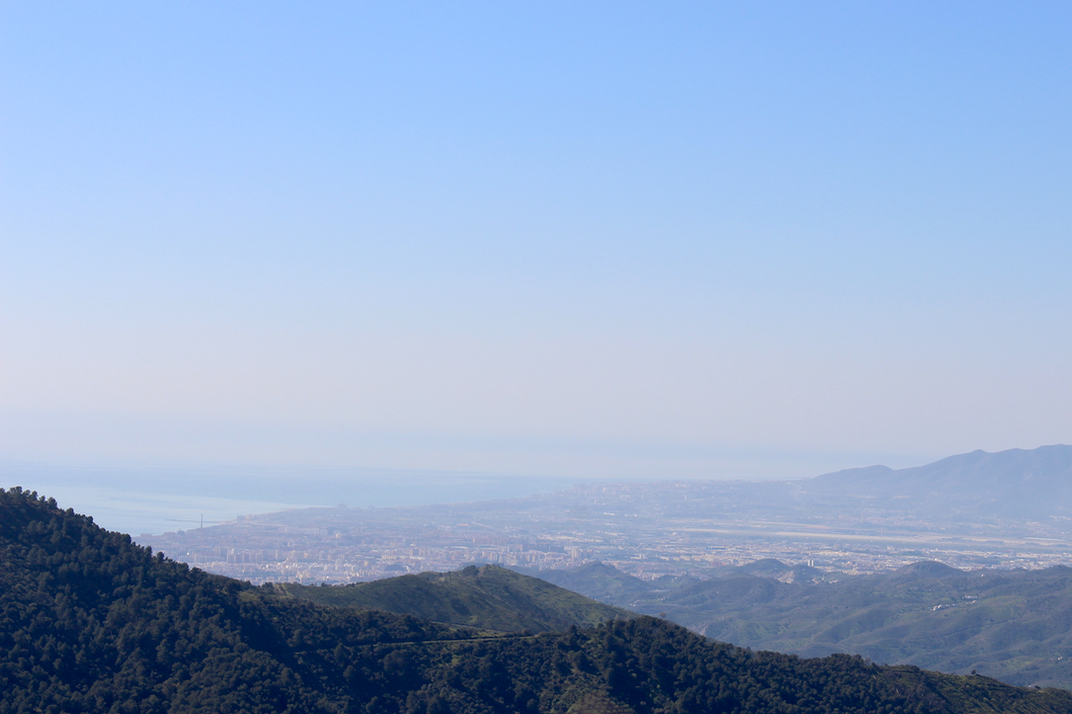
[487, 597]
[90, 622]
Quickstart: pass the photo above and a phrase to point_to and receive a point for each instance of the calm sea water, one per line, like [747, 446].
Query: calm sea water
[139, 500]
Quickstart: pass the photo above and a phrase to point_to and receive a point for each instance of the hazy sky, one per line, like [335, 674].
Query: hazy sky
[620, 239]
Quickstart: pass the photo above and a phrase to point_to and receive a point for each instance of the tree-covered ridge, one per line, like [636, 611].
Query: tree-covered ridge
[91, 622]
[487, 597]
[1014, 625]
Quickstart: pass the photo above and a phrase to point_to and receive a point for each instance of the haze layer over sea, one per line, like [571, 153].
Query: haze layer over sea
[146, 499]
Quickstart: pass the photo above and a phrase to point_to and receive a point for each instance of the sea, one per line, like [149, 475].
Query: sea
[150, 500]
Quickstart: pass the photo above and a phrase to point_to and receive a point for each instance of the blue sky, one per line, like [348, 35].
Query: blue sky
[639, 240]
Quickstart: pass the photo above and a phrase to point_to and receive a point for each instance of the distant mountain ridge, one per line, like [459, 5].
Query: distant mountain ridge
[1015, 484]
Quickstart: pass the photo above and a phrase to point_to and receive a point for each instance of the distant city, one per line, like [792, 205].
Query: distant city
[646, 530]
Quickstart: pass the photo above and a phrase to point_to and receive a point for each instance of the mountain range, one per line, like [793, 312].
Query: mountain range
[1014, 625]
[1016, 484]
[92, 622]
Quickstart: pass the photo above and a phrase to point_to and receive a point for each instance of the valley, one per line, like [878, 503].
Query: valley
[1007, 510]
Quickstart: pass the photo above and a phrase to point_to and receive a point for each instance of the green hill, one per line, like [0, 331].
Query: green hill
[488, 597]
[91, 622]
[1014, 625]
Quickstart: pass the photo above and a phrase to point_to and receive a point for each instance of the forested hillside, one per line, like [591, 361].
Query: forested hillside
[90, 622]
[1014, 625]
[487, 597]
